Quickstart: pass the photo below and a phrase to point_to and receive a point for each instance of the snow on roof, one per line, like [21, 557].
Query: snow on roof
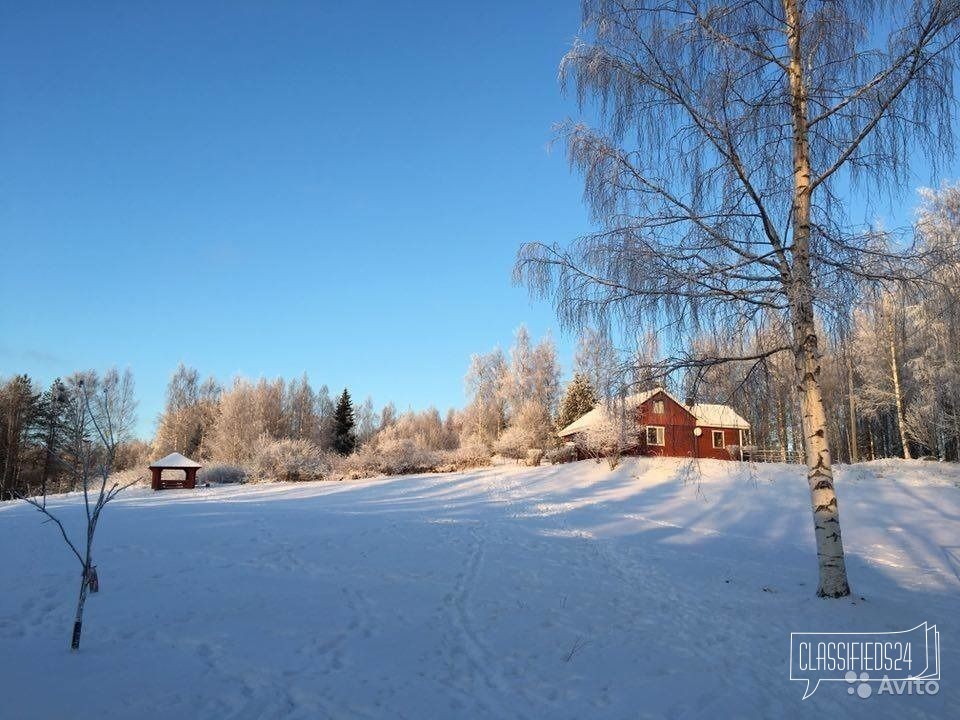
[709, 415]
[722, 416]
[175, 460]
[600, 411]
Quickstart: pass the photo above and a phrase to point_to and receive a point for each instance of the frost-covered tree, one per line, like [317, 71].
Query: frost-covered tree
[579, 399]
[533, 374]
[367, 421]
[344, 425]
[727, 141]
[933, 316]
[270, 398]
[301, 410]
[452, 429]
[530, 387]
[598, 361]
[239, 423]
[325, 413]
[188, 415]
[881, 396]
[530, 428]
[388, 416]
[485, 414]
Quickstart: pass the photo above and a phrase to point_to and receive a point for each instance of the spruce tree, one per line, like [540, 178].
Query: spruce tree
[579, 399]
[344, 437]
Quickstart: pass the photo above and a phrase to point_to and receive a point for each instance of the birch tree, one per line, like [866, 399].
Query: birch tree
[188, 416]
[728, 136]
[485, 413]
[101, 417]
[239, 423]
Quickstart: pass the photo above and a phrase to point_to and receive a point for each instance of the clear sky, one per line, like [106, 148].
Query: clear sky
[268, 188]
[271, 188]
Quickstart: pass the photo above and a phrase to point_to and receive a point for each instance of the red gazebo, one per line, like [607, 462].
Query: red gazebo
[174, 461]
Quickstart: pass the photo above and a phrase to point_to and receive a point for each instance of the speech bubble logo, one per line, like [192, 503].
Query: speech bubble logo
[903, 655]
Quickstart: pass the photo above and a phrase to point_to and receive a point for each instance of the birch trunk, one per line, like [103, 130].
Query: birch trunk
[78, 618]
[782, 426]
[826, 517]
[852, 404]
[897, 390]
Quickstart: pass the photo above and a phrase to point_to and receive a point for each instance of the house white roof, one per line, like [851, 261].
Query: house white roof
[721, 416]
[175, 460]
[600, 412]
[706, 414]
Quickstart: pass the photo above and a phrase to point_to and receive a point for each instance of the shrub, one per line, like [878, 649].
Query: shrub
[221, 474]
[530, 428]
[392, 455]
[136, 477]
[288, 460]
[463, 458]
[563, 454]
[514, 443]
[400, 456]
[607, 439]
[534, 457]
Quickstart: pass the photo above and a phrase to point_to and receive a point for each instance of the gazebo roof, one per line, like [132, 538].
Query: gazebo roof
[175, 460]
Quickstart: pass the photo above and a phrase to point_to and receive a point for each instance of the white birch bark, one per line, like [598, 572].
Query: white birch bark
[826, 517]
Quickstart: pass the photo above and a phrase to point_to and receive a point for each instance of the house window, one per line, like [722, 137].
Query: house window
[655, 435]
[718, 439]
[658, 407]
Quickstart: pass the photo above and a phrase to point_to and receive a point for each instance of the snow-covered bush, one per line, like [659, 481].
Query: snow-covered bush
[563, 454]
[221, 474]
[413, 443]
[132, 477]
[530, 428]
[513, 443]
[534, 457]
[607, 438]
[288, 460]
[389, 454]
[400, 456]
[463, 458]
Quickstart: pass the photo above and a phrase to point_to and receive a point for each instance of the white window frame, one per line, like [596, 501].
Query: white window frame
[658, 407]
[723, 439]
[659, 435]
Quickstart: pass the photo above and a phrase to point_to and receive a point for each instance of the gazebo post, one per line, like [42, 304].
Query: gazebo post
[191, 478]
[155, 480]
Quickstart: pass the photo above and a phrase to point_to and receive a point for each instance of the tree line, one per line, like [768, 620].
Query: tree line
[45, 433]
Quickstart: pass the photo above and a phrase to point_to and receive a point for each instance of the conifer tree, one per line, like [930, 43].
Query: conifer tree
[344, 437]
[579, 399]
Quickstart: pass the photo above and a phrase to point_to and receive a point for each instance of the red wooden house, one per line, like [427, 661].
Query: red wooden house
[666, 426]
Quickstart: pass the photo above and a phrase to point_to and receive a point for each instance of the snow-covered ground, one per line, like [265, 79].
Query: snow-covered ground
[652, 591]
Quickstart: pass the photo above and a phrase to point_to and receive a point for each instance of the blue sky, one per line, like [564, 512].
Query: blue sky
[273, 188]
